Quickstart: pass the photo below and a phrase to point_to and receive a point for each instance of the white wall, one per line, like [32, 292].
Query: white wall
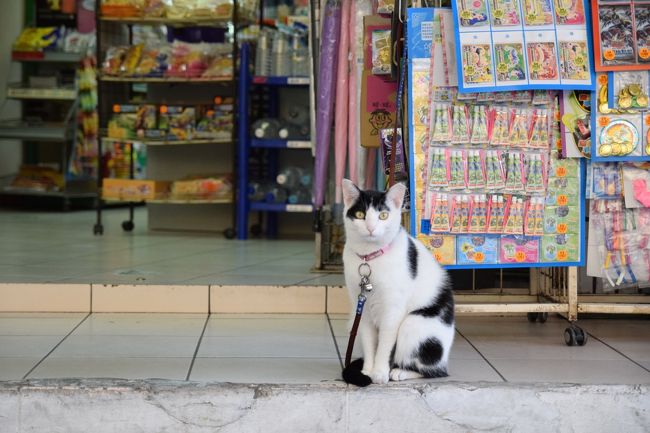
[11, 23]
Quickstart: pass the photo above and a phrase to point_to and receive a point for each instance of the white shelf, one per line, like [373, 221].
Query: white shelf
[151, 142]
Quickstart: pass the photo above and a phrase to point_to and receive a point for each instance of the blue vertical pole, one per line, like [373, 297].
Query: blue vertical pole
[242, 144]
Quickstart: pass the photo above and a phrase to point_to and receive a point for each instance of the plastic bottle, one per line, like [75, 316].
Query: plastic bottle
[256, 191]
[290, 177]
[294, 132]
[299, 56]
[263, 54]
[266, 128]
[281, 56]
[300, 196]
[276, 194]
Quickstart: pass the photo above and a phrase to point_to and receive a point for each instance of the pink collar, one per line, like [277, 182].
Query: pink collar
[373, 255]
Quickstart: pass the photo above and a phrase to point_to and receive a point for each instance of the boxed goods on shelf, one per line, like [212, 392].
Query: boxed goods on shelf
[134, 189]
[171, 123]
[203, 188]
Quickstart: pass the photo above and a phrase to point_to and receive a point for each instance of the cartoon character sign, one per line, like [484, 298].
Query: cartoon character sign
[380, 119]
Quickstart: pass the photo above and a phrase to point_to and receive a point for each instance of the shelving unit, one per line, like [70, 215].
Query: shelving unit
[246, 143]
[47, 140]
[203, 155]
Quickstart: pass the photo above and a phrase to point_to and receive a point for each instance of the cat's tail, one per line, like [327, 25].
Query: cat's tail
[352, 374]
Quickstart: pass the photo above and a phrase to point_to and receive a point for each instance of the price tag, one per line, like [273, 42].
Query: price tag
[562, 228]
[479, 257]
[562, 255]
[438, 257]
[560, 172]
[299, 208]
[297, 80]
[298, 144]
[520, 256]
[562, 200]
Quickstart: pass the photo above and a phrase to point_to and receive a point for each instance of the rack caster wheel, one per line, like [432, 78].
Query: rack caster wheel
[127, 226]
[256, 230]
[575, 336]
[229, 233]
[537, 317]
[98, 229]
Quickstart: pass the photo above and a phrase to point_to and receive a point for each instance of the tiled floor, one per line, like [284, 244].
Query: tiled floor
[303, 348]
[46, 247]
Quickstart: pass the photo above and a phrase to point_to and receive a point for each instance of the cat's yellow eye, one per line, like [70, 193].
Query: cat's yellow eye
[360, 215]
[383, 215]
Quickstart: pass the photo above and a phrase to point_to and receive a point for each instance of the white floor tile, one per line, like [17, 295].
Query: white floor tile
[288, 346]
[38, 324]
[266, 370]
[21, 346]
[130, 346]
[571, 371]
[287, 326]
[16, 368]
[188, 325]
[122, 368]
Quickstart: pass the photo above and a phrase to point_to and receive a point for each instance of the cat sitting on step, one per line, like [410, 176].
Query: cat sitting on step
[407, 327]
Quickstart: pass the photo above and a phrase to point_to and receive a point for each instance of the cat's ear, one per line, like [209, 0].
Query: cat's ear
[350, 192]
[395, 195]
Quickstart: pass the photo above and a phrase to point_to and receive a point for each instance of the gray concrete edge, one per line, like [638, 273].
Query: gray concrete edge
[111, 405]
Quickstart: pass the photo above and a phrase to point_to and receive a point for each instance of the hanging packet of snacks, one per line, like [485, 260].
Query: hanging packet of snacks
[483, 166]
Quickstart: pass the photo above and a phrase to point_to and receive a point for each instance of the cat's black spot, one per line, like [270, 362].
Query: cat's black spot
[413, 258]
[431, 373]
[366, 200]
[430, 352]
[442, 306]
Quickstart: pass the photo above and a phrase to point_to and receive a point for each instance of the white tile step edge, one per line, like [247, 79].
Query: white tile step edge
[176, 298]
[104, 406]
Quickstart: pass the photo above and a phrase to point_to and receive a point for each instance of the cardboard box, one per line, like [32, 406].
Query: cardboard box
[134, 189]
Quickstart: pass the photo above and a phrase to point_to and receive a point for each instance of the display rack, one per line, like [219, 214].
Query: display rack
[40, 136]
[110, 88]
[246, 142]
[553, 282]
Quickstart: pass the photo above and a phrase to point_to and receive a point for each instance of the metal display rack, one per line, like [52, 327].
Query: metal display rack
[553, 285]
[118, 86]
[246, 142]
[35, 133]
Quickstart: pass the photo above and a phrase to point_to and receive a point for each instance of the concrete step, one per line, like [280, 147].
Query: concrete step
[103, 406]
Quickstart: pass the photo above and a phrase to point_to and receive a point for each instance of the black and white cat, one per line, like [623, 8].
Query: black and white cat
[407, 327]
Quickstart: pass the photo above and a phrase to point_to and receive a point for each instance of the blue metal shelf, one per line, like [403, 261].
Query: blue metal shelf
[280, 207]
[281, 144]
[281, 81]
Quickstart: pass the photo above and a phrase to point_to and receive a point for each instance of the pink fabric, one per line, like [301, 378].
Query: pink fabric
[641, 192]
[341, 106]
[353, 107]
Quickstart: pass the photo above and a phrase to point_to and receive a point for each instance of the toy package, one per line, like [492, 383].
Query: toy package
[621, 32]
[178, 122]
[621, 134]
[619, 243]
[522, 44]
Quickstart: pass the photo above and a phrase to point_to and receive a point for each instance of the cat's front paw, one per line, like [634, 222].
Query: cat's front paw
[379, 375]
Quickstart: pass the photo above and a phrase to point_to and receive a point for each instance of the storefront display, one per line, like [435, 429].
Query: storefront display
[487, 185]
[520, 45]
